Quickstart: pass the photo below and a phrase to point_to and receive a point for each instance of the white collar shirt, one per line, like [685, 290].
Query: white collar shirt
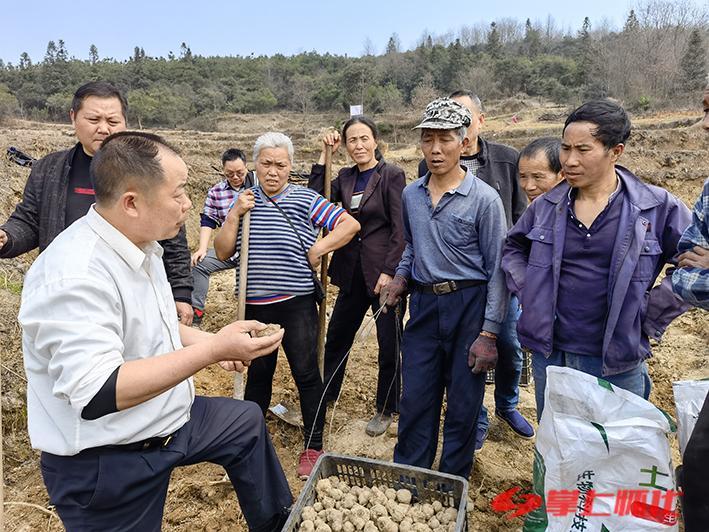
[90, 302]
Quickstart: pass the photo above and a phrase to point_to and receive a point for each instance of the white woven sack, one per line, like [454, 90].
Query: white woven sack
[689, 399]
[593, 435]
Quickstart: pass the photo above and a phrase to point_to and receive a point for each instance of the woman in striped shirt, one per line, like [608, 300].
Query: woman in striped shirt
[280, 285]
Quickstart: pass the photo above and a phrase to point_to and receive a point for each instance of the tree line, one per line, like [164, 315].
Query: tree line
[657, 57]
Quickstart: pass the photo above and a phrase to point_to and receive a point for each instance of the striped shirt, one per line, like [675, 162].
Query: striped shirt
[692, 284]
[278, 267]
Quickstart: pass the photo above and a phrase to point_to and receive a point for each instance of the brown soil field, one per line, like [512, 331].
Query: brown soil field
[667, 150]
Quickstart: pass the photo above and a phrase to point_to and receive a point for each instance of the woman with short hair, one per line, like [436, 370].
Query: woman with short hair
[283, 250]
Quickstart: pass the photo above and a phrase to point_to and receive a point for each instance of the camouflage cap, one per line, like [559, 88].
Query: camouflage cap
[445, 113]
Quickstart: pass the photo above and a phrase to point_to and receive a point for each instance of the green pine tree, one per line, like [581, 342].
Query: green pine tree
[693, 63]
[493, 46]
[631, 23]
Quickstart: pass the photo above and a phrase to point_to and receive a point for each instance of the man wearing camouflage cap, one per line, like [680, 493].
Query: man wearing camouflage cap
[454, 227]
[496, 165]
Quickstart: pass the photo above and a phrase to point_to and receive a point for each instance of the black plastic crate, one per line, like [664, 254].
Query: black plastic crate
[425, 485]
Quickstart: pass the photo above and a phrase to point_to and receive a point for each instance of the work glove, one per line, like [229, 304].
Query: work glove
[391, 294]
[482, 355]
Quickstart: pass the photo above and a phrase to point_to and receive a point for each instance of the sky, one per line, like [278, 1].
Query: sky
[237, 27]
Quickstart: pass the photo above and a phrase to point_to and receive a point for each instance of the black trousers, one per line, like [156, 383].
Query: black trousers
[299, 317]
[694, 475]
[104, 489]
[350, 308]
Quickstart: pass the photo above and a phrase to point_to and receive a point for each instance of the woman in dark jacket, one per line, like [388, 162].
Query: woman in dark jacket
[371, 192]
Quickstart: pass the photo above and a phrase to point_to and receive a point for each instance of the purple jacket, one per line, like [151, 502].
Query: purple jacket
[651, 223]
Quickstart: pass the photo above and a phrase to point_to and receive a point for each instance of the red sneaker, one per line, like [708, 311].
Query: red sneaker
[306, 462]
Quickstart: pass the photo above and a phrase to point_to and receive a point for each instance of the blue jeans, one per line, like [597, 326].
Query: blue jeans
[636, 380]
[509, 365]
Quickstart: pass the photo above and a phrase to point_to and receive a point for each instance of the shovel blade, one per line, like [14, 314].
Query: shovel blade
[287, 413]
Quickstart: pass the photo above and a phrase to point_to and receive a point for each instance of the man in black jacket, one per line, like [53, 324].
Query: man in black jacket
[496, 164]
[59, 190]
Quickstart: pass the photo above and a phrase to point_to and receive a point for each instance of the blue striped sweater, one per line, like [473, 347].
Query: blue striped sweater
[278, 268]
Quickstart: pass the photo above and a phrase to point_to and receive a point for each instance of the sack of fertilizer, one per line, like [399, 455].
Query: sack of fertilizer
[689, 399]
[602, 459]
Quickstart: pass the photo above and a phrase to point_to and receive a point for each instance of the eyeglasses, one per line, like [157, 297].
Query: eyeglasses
[232, 175]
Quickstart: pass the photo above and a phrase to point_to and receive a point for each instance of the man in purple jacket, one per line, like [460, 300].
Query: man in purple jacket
[584, 257]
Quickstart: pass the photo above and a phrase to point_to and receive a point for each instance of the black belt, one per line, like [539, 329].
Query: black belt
[445, 287]
[144, 445]
[150, 443]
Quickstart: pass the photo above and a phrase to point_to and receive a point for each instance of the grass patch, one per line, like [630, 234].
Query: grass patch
[15, 288]
[11, 281]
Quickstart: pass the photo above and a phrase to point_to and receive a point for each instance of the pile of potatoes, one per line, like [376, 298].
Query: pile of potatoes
[339, 507]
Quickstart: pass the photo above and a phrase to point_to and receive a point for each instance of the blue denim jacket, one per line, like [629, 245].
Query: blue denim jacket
[651, 223]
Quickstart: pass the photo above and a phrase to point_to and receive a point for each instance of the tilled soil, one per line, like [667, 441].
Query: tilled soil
[667, 150]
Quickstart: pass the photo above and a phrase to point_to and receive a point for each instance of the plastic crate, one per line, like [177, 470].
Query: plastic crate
[425, 485]
[525, 378]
